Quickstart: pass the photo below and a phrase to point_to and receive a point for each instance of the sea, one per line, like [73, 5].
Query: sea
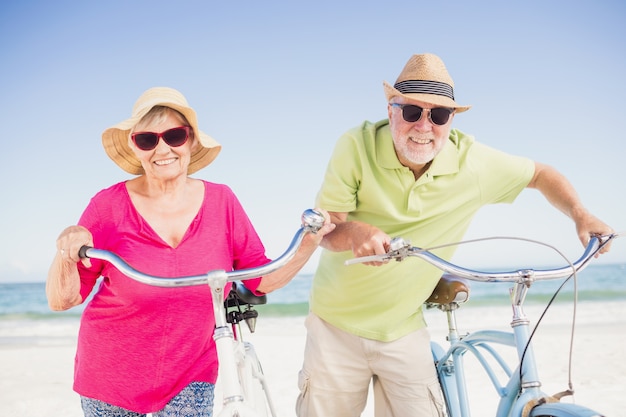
[598, 282]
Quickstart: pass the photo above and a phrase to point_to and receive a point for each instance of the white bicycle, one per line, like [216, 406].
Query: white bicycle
[243, 385]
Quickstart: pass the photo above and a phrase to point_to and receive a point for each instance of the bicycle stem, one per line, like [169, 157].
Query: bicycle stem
[518, 295]
[519, 324]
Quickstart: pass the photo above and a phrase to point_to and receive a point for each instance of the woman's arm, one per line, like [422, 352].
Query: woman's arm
[63, 283]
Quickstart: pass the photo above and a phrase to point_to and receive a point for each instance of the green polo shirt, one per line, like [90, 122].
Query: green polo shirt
[365, 179]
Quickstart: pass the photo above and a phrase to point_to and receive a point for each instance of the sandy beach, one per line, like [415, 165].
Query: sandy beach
[36, 358]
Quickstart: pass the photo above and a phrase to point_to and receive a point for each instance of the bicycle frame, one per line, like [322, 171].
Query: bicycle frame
[451, 370]
[251, 376]
[521, 395]
[234, 355]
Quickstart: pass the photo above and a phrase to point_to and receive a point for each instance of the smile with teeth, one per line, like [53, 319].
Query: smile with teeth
[420, 141]
[162, 162]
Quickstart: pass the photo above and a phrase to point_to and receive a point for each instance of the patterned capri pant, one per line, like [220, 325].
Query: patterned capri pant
[195, 400]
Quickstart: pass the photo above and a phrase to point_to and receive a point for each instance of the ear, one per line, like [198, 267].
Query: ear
[131, 144]
[136, 151]
[194, 142]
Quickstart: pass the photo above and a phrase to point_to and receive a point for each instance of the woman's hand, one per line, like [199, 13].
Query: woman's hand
[63, 283]
[70, 241]
[326, 228]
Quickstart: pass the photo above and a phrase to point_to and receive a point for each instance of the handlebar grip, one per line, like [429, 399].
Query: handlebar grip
[312, 220]
[82, 253]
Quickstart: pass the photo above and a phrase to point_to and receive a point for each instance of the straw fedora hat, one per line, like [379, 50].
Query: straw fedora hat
[425, 78]
[115, 139]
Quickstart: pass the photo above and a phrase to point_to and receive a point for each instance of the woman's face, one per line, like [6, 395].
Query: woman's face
[164, 162]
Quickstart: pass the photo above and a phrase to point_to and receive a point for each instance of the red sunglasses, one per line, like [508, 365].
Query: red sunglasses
[146, 141]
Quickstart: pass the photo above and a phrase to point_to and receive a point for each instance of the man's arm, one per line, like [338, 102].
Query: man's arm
[361, 238]
[562, 195]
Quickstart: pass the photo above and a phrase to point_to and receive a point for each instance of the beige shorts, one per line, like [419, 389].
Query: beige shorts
[338, 368]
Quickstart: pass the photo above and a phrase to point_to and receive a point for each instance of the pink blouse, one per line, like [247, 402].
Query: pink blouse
[138, 345]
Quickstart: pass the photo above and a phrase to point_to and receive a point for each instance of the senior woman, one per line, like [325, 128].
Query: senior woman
[143, 349]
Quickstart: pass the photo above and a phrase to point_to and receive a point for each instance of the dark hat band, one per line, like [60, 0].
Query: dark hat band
[425, 87]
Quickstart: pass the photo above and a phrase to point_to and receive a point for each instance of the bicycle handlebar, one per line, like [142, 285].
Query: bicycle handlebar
[400, 249]
[312, 221]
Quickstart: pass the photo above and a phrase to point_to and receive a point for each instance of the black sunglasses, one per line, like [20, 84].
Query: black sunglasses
[412, 113]
[146, 141]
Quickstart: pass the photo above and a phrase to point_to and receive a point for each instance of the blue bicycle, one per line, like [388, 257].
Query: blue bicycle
[520, 395]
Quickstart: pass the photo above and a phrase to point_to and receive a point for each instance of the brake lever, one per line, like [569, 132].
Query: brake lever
[398, 250]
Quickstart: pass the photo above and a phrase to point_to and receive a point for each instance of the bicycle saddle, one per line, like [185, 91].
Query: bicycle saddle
[240, 294]
[450, 289]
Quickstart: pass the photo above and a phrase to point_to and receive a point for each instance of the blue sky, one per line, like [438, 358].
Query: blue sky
[278, 82]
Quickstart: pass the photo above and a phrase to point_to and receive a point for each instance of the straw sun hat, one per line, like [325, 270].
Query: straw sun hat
[115, 139]
[425, 78]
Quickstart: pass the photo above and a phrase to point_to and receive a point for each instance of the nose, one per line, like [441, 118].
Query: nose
[162, 147]
[424, 124]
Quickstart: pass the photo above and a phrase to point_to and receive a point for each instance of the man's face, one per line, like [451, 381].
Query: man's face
[418, 142]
